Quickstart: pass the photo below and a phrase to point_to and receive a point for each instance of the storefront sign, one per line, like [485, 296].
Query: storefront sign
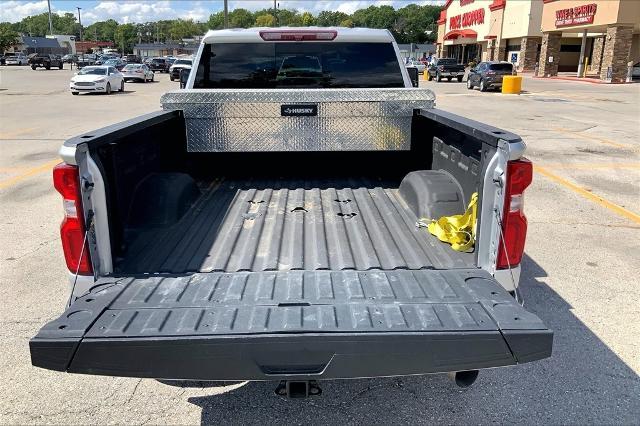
[468, 19]
[578, 15]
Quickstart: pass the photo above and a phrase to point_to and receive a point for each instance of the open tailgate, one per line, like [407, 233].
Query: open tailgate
[303, 324]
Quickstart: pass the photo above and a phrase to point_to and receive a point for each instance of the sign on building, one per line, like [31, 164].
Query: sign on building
[467, 19]
[578, 15]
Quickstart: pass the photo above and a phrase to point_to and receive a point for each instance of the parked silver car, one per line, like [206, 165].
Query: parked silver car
[137, 72]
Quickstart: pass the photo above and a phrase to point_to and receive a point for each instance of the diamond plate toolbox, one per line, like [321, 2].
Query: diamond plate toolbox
[244, 120]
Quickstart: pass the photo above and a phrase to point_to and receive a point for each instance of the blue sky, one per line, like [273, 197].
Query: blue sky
[149, 10]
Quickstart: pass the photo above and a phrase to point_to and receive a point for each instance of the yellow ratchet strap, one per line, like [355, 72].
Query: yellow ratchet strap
[458, 230]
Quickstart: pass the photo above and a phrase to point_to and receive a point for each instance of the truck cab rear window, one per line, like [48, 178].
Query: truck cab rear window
[298, 64]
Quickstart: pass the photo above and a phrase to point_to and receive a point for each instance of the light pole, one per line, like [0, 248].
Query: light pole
[226, 14]
[79, 21]
[275, 12]
[50, 24]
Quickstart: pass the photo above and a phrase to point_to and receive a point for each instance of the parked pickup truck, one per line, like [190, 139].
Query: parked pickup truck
[448, 68]
[45, 60]
[266, 225]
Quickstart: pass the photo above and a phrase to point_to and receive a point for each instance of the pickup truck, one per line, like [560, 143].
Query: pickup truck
[266, 225]
[44, 60]
[448, 68]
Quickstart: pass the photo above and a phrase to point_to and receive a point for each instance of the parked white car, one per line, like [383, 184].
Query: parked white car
[16, 59]
[138, 72]
[102, 79]
[416, 64]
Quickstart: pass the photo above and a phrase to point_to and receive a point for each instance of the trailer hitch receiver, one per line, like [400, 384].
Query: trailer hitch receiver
[298, 388]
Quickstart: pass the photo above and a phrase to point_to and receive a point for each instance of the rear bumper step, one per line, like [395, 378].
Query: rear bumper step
[292, 325]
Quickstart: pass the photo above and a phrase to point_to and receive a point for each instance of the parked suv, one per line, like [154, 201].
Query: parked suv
[159, 64]
[488, 75]
[133, 59]
[15, 59]
[45, 60]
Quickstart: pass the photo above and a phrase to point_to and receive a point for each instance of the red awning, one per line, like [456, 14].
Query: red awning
[452, 35]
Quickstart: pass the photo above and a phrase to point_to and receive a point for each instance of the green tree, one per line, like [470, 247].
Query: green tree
[126, 37]
[216, 21]
[265, 20]
[35, 26]
[307, 19]
[288, 17]
[183, 28]
[347, 23]
[8, 36]
[375, 17]
[240, 18]
[330, 19]
[101, 31]
[415, 21]
[38, 25]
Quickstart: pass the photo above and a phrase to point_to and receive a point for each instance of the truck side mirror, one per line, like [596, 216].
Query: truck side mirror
[184, 76]
[413, 76]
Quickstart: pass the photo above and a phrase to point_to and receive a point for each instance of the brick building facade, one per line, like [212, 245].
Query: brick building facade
[607, 34]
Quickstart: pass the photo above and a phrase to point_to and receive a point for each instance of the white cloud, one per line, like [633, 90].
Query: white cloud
[14, 11]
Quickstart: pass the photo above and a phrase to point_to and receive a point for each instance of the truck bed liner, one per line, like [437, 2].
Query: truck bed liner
[285, 224]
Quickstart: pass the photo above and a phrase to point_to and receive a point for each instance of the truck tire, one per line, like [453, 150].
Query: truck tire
[438, 78]
[75, 93]
[171, 77]
[122, 86]
[108, 89]
[429, 78]
[449, 79]
[459, 79]
[33, 67]
[60, 66]
[48, 66]
[483, 88]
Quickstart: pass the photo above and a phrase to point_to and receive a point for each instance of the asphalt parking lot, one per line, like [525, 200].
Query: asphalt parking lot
[579, 273]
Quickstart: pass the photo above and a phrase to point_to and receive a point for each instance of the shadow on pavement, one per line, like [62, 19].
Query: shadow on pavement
[583, 382]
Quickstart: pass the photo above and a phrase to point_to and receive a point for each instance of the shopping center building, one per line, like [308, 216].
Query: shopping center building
[606, 36]
[547, 36]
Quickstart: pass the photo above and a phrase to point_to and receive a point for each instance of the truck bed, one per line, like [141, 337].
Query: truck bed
[289, 224]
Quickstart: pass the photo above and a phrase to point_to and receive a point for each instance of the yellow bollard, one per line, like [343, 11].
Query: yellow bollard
[511, 84]
[586, 65]
[425, 75]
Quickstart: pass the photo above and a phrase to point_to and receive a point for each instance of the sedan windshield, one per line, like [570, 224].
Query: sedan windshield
[93, 71]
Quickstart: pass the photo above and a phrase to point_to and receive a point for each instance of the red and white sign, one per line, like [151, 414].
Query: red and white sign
[468, 19]
[578, 15]
[466, 2]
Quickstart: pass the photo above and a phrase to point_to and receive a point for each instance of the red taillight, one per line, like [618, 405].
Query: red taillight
[66, 180]
[297, 35]
[514, 222]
